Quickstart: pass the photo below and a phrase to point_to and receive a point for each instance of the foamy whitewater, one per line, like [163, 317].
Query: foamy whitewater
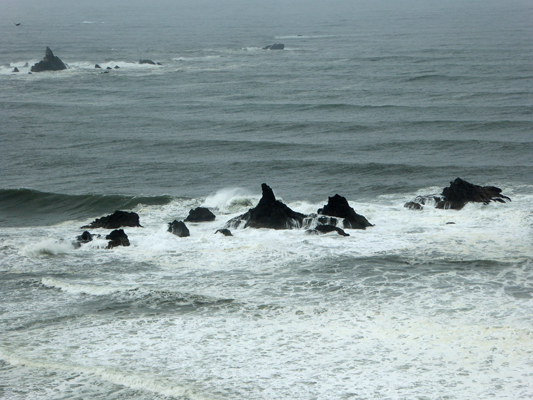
[377, 102]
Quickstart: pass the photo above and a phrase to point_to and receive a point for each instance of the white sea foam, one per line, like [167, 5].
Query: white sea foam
[49, 247]
[102, 288]
[231, 200]
[137, 381]
[388, 311]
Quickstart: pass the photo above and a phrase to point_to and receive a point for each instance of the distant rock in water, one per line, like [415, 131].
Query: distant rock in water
[97, 66]
[117, 238]
[116, 220]
[269, 213]
[147, 62]
[326, 229]
[458, 194]
[338, 207]
[224, 231]
[200, 214]
[178, 228]
[275, 46]
[49, 63]
[16, 69]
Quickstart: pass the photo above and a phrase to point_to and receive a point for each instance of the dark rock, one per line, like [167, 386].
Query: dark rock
[326, 229]
[338, 207]
[200, 214]
[16, 69]
[411, 205]
[178, 228]
[85, 237]
[97, 66]
[147, 62]
[159, 63]
[117, 238]
[458, 194]
[275, 46]
[116, 220]
[117, 67]
[109, 68]
[269, 213]
[224, 231]
[49, 63]
[461, 192]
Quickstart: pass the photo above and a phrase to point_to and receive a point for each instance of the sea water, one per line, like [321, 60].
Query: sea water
[374, 101]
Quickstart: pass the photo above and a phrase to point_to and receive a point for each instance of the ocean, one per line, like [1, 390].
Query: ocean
[375, 101]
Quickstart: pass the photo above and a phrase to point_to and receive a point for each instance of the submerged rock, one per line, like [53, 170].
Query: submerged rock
[117, 238]
[200, 214]
[326, 229]
[16, 69]
[116, 220]
[224, 231]
[49, 63]
[269, 213]
[338, 207]
[413, 205]
[275, 46]
[147, 62]
[178, 228]
[458, 194]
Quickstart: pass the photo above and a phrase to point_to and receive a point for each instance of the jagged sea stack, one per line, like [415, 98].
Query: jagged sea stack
[49, 63]
[269, 213]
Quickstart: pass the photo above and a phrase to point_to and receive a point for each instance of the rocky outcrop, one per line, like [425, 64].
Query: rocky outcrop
[338, 207]
[49, 63]
[97, 66]
[178, 228]
[117, 238]
[200, 214]
[224, 231]
[458, 194]
[16, 69]
[275, 46]
[146, 62]
[319, 229]
[116, 220]
[269, 213]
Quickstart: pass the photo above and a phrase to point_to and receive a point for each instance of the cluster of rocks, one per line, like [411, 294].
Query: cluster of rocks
[271, 213]
[50, 62]
[114, 221]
